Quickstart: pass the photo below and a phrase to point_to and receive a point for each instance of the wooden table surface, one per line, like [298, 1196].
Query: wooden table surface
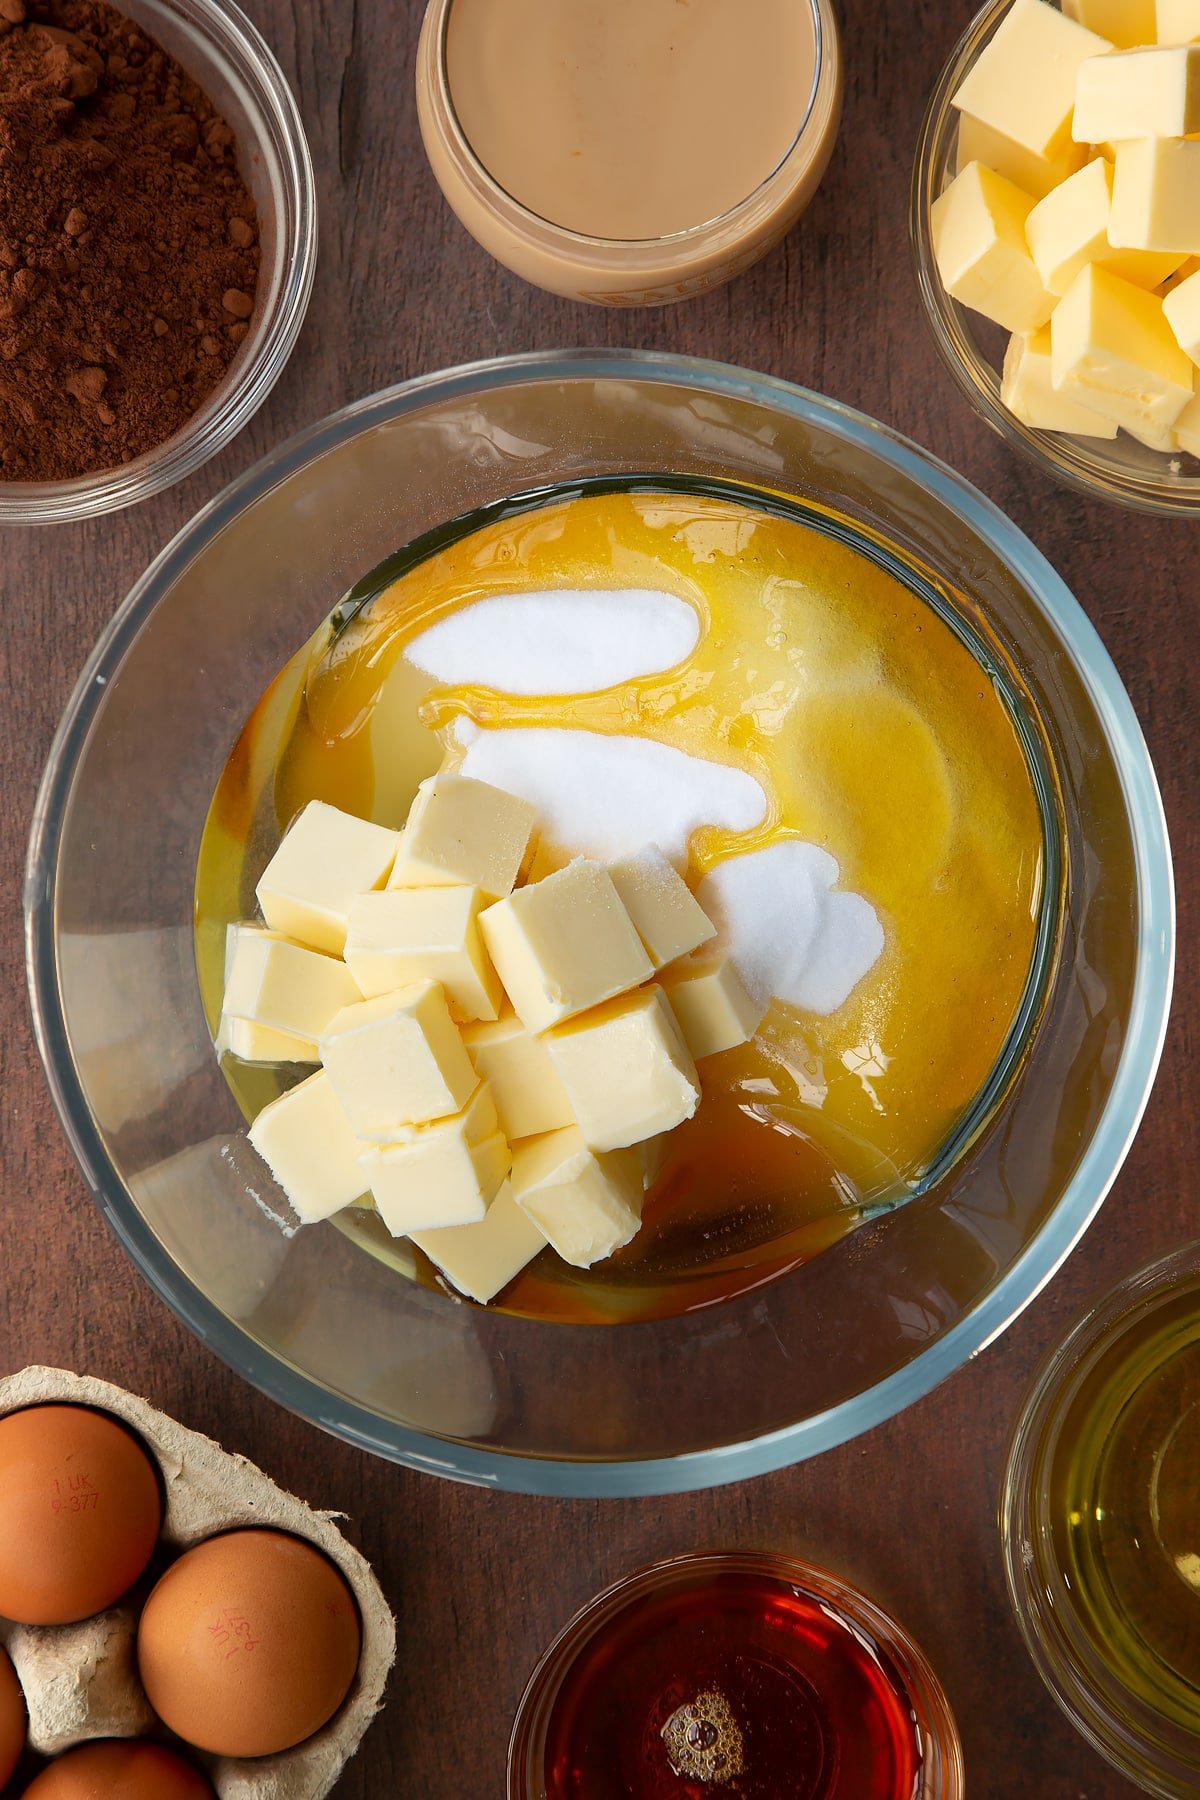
[480, 1581]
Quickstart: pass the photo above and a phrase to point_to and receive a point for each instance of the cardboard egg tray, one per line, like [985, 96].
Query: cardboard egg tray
[80, 1681]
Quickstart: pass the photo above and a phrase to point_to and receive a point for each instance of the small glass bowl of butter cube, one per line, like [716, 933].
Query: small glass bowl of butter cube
[1056, 228]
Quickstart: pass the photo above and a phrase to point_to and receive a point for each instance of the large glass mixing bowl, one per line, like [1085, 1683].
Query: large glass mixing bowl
[711, 1395]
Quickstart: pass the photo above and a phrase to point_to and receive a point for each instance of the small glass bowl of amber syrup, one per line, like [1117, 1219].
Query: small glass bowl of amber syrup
[734, 1674]
[1100, 1521]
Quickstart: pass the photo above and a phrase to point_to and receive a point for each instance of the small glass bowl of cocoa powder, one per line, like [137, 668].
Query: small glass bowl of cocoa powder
[158, 242]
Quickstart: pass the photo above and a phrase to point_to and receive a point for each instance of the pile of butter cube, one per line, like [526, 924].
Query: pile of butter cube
[1074, 218]
[492, 1054]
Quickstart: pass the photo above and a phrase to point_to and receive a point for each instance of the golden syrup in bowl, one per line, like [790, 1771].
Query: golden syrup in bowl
[884, 725]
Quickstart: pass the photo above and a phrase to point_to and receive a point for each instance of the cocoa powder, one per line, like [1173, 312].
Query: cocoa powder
[128, 241]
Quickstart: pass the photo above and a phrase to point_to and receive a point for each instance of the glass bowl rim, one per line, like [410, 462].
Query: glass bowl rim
[1066, 459]
[854, 1607]
[1088, 1696]
[1083, 1194]
[233, 40]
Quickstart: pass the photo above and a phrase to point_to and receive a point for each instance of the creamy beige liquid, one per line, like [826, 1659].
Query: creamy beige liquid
[631, 119]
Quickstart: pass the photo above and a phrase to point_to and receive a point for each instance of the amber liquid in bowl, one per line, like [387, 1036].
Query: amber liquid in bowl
[885, 725]
[744, 1675]
[736, 1684]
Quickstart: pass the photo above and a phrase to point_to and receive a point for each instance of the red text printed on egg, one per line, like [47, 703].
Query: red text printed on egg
[232, 1633]
[76, 1494]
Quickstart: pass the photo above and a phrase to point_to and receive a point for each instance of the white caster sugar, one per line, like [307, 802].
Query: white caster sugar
[561, 641]
[606, 797]
[789, 934]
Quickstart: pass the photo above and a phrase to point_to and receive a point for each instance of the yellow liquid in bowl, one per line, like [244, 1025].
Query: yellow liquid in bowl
[1124, 1513]
[877, 734]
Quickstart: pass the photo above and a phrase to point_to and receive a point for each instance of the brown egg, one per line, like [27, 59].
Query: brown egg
[12, 1718]
[80, 1512]
[249, 1643]
[128, 1770]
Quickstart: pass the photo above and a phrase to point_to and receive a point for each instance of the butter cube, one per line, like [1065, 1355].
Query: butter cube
[1187, 428]
[520, 1076]
[424, 934]
[564, 944]
[465, 833]
[254, 1043]
[245, 1039]
[1070, 228]
[439, 1175]
[627, 1071]
[397, 1060]
[1156, 195]
[1028, 391]
[1023, 81]
[1137, 94]
[311, 1149]
[245, 928]
[1112, 349]
[713, 1009]
[1125, 23]
[1153, 438]
[979, 244]
[1178, 21]
[978, 142]
[666, 915]
[1182, 310]
[479, 1260]
[324, 860]
[585, 1205]
[276, 983]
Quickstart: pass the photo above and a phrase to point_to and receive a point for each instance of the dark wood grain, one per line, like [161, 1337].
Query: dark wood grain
[480, 1581]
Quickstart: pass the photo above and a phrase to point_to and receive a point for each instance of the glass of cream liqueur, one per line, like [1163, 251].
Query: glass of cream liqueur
[734, 1675]
[837, 758]
[628, 151]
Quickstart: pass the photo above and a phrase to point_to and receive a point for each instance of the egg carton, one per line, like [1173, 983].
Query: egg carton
[80, 1681]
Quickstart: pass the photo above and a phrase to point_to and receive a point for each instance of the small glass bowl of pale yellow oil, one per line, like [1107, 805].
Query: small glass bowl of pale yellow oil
[1100, 1519]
